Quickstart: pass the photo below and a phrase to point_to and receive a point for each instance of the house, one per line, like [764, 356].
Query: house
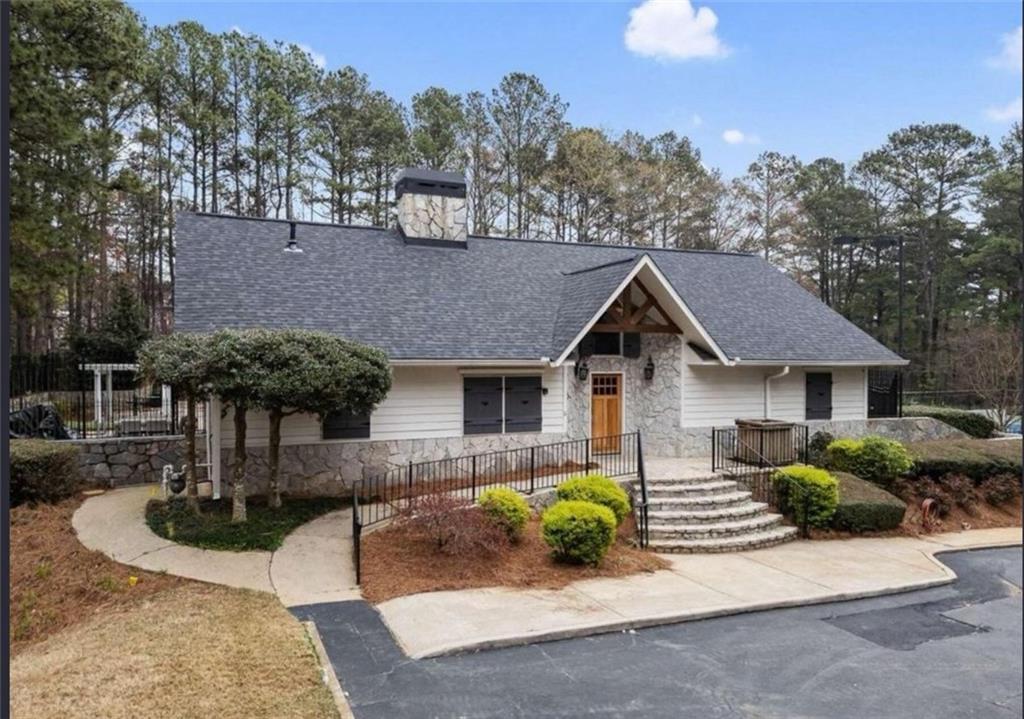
[498, 342]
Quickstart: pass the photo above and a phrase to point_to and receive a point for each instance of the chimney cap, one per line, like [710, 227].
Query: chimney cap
[422, 181]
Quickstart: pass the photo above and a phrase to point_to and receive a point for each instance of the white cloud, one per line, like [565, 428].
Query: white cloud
[318, 58]
[1013, 110]
[738, 137]
[1010, 55]
[673, 30]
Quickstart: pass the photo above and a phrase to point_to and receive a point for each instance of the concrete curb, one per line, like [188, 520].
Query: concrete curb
[327, 672]
[696, 615]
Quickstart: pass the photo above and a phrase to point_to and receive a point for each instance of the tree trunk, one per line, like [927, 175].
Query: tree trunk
[238, 469]
[273, 455]
[191, 481]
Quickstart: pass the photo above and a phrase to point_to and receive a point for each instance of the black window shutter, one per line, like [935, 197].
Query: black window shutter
[481, 405]
[345, 425]
[819, 395]
[631, 345]
[522, 404]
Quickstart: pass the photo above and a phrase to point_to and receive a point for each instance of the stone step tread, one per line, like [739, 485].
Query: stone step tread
[729, 527]
[740, 541]
[694, 487]
[695, 515]
[724, 499]
[693, 479]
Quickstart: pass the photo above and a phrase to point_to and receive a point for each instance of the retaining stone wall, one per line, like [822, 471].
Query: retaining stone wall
[118, 461]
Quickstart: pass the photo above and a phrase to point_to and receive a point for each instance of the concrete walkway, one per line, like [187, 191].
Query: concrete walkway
[314, 564]
[696, 587]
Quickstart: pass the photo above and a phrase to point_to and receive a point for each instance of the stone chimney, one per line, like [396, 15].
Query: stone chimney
[431, 205]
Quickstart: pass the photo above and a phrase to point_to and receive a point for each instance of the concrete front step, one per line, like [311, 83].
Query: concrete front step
[739, 543]
[708, 516]
[709, 477]
[706, 501]
[691, 489]
[749, 525]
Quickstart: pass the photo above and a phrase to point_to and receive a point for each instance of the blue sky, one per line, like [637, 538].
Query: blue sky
[810, 79]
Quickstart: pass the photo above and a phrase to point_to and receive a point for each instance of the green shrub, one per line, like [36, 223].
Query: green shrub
[972, 423]
[506, 508]
[43, 470]
[578, 532]
[1000, 489]
[598, 489]
[875, 459]
[978, 459]
[865, 507]
[801, 489]
[817, 448]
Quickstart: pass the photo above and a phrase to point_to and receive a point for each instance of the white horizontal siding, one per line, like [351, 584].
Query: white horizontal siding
[720, 395]
[424, 403]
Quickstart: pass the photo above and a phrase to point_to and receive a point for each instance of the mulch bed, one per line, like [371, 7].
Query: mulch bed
[56, 582]
[397, 562]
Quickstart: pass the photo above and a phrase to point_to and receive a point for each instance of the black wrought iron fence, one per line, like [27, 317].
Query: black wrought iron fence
[752, 459]
[735, 448]
[527, 470]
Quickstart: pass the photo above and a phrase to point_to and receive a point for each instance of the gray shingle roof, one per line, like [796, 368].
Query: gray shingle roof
[495, 299]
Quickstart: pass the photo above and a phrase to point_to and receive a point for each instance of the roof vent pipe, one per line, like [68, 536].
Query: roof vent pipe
[293, 244]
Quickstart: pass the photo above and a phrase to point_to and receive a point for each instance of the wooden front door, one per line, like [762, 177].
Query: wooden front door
[606, 412]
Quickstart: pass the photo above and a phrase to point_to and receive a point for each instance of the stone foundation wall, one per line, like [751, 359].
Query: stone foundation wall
[330, 468]
[119, 461]
[696, 441]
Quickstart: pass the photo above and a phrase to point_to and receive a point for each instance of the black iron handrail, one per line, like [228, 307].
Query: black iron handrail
[383, 496]
[757, 475]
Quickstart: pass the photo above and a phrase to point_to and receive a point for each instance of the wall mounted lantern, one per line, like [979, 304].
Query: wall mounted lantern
[649, 369]
[582, 371]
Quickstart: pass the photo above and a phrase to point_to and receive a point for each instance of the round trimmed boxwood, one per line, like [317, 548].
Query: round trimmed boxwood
[865, 507]
[806, 493]
[875, 459]
[506, 508]
[578, 532]
[598, 489]
[43, 470]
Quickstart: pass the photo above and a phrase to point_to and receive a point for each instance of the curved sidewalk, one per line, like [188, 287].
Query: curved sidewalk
[313, 565]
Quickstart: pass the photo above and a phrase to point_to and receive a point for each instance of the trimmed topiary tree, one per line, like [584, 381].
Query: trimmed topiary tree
[598, 489]
[236, 378]
[181, 360]
[318, 373]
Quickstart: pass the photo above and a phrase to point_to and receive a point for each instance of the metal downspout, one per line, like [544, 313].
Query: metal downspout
[768, 389]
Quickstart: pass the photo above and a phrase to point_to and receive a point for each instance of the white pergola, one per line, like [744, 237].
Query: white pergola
[100, 401]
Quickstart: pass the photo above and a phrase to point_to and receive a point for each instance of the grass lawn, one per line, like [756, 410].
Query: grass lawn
[56, 582]
[194, 651]
[265, 528]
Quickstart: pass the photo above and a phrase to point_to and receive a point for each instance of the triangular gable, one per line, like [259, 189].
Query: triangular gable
[588, 294]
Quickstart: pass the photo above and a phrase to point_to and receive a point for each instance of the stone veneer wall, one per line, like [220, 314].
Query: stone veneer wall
[330, 468]
[651, 407]
[696, 441]
[118, 461]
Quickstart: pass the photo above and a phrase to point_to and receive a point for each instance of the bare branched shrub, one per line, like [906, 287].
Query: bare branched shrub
[456, 526]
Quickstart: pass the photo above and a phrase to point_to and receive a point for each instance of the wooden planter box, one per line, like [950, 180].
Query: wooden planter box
[761, 441]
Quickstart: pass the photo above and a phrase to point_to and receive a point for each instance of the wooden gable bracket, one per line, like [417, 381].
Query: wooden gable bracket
[622, 316]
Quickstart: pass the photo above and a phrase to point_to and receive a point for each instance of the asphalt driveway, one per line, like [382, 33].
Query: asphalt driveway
[952, 651]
